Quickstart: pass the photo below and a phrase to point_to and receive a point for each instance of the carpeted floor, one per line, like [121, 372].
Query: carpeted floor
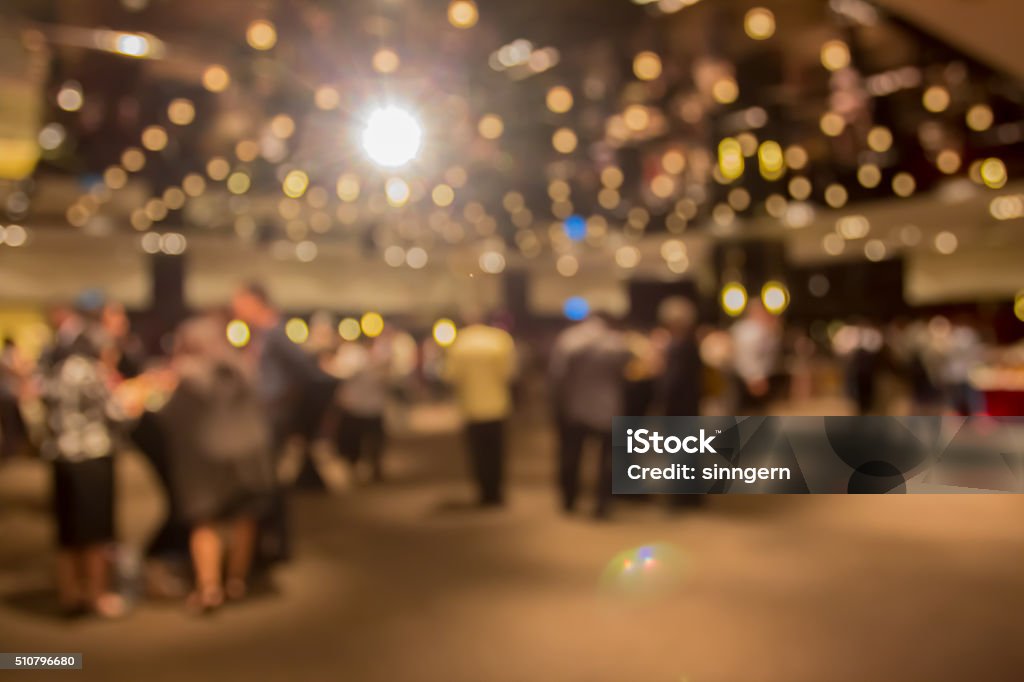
[403, 581]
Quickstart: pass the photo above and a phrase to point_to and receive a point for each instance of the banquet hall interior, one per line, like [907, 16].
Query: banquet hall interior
[333, 210]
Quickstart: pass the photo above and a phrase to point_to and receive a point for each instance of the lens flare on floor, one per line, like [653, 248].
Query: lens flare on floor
[647, 570]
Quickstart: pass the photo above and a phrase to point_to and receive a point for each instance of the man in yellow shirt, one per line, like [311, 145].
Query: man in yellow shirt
[480, 366]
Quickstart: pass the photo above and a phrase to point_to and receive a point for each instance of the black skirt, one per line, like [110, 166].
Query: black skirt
[83, 496]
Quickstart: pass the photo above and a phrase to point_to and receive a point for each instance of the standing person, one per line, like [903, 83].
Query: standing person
[679, 390]
[310, 461]
[565, 346]
[911, 348]
[641, 387]
[13, 373]
[864, 366]
[481, 364]
[757, 342]
[365, 368]
[80, 441]
[681, 382]
[219, 452]
[283, 373]
[963, 352]
[126, 353]
[587, 370]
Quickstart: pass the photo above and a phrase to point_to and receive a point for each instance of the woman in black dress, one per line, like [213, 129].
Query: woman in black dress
[218, 447]
[80, 420]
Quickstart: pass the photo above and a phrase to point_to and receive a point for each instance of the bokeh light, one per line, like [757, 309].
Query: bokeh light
[397, 191]
[611, 177]
[832, 124]
[567, 265]
[575, 228]
[874, 250]
[181, 111]
[216, 78]
[70, 97]
[869, 175]
[132, 45]
[348, 329]
[261, 35]
[627, 257]
[771, 160]
[993, 173]
[800, 188]
[725, 90]
[296, 330]
[463, 14]
[492, 262]
[759, 23]
[348, 187]
[238, 183]
[564, 140]
[774, 297]
[734, 298]
[237, 332]
[442, 195]
[730, 158]
[935, 99]
[13, 235]
[372, 324]
[326, 98]
[51, 136]
[980, 117]
[173, 243]
[217, 168]
[946, 242]
[796, 157]
[295, 184]
[247, 150]
[154, 138]
[903, 184]
[880, 139]
[673, 161]
[386, 61]
[647, 66]
[636, 117]
[836, 195]
[392, 136]
[576, 308]
[282, 126]
[835, 55]
[115, 177]
[559, 99]
[491, 126]
[444, 332]
[948, 161]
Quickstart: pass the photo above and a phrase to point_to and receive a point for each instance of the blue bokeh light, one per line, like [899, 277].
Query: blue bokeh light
[575, 228]
[576, 308]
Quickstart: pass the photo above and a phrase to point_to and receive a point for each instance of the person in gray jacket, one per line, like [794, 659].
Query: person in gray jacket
[587, 369]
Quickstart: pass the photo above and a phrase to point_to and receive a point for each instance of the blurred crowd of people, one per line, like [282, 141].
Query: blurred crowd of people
[228, 430]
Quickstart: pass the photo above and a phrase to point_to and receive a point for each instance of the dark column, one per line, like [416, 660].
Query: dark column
[167, 304]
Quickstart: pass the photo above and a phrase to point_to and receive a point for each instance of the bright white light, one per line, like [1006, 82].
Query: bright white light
[132, 45]
[392, 137]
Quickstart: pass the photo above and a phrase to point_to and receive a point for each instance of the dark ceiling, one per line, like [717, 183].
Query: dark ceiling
[444, 73]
